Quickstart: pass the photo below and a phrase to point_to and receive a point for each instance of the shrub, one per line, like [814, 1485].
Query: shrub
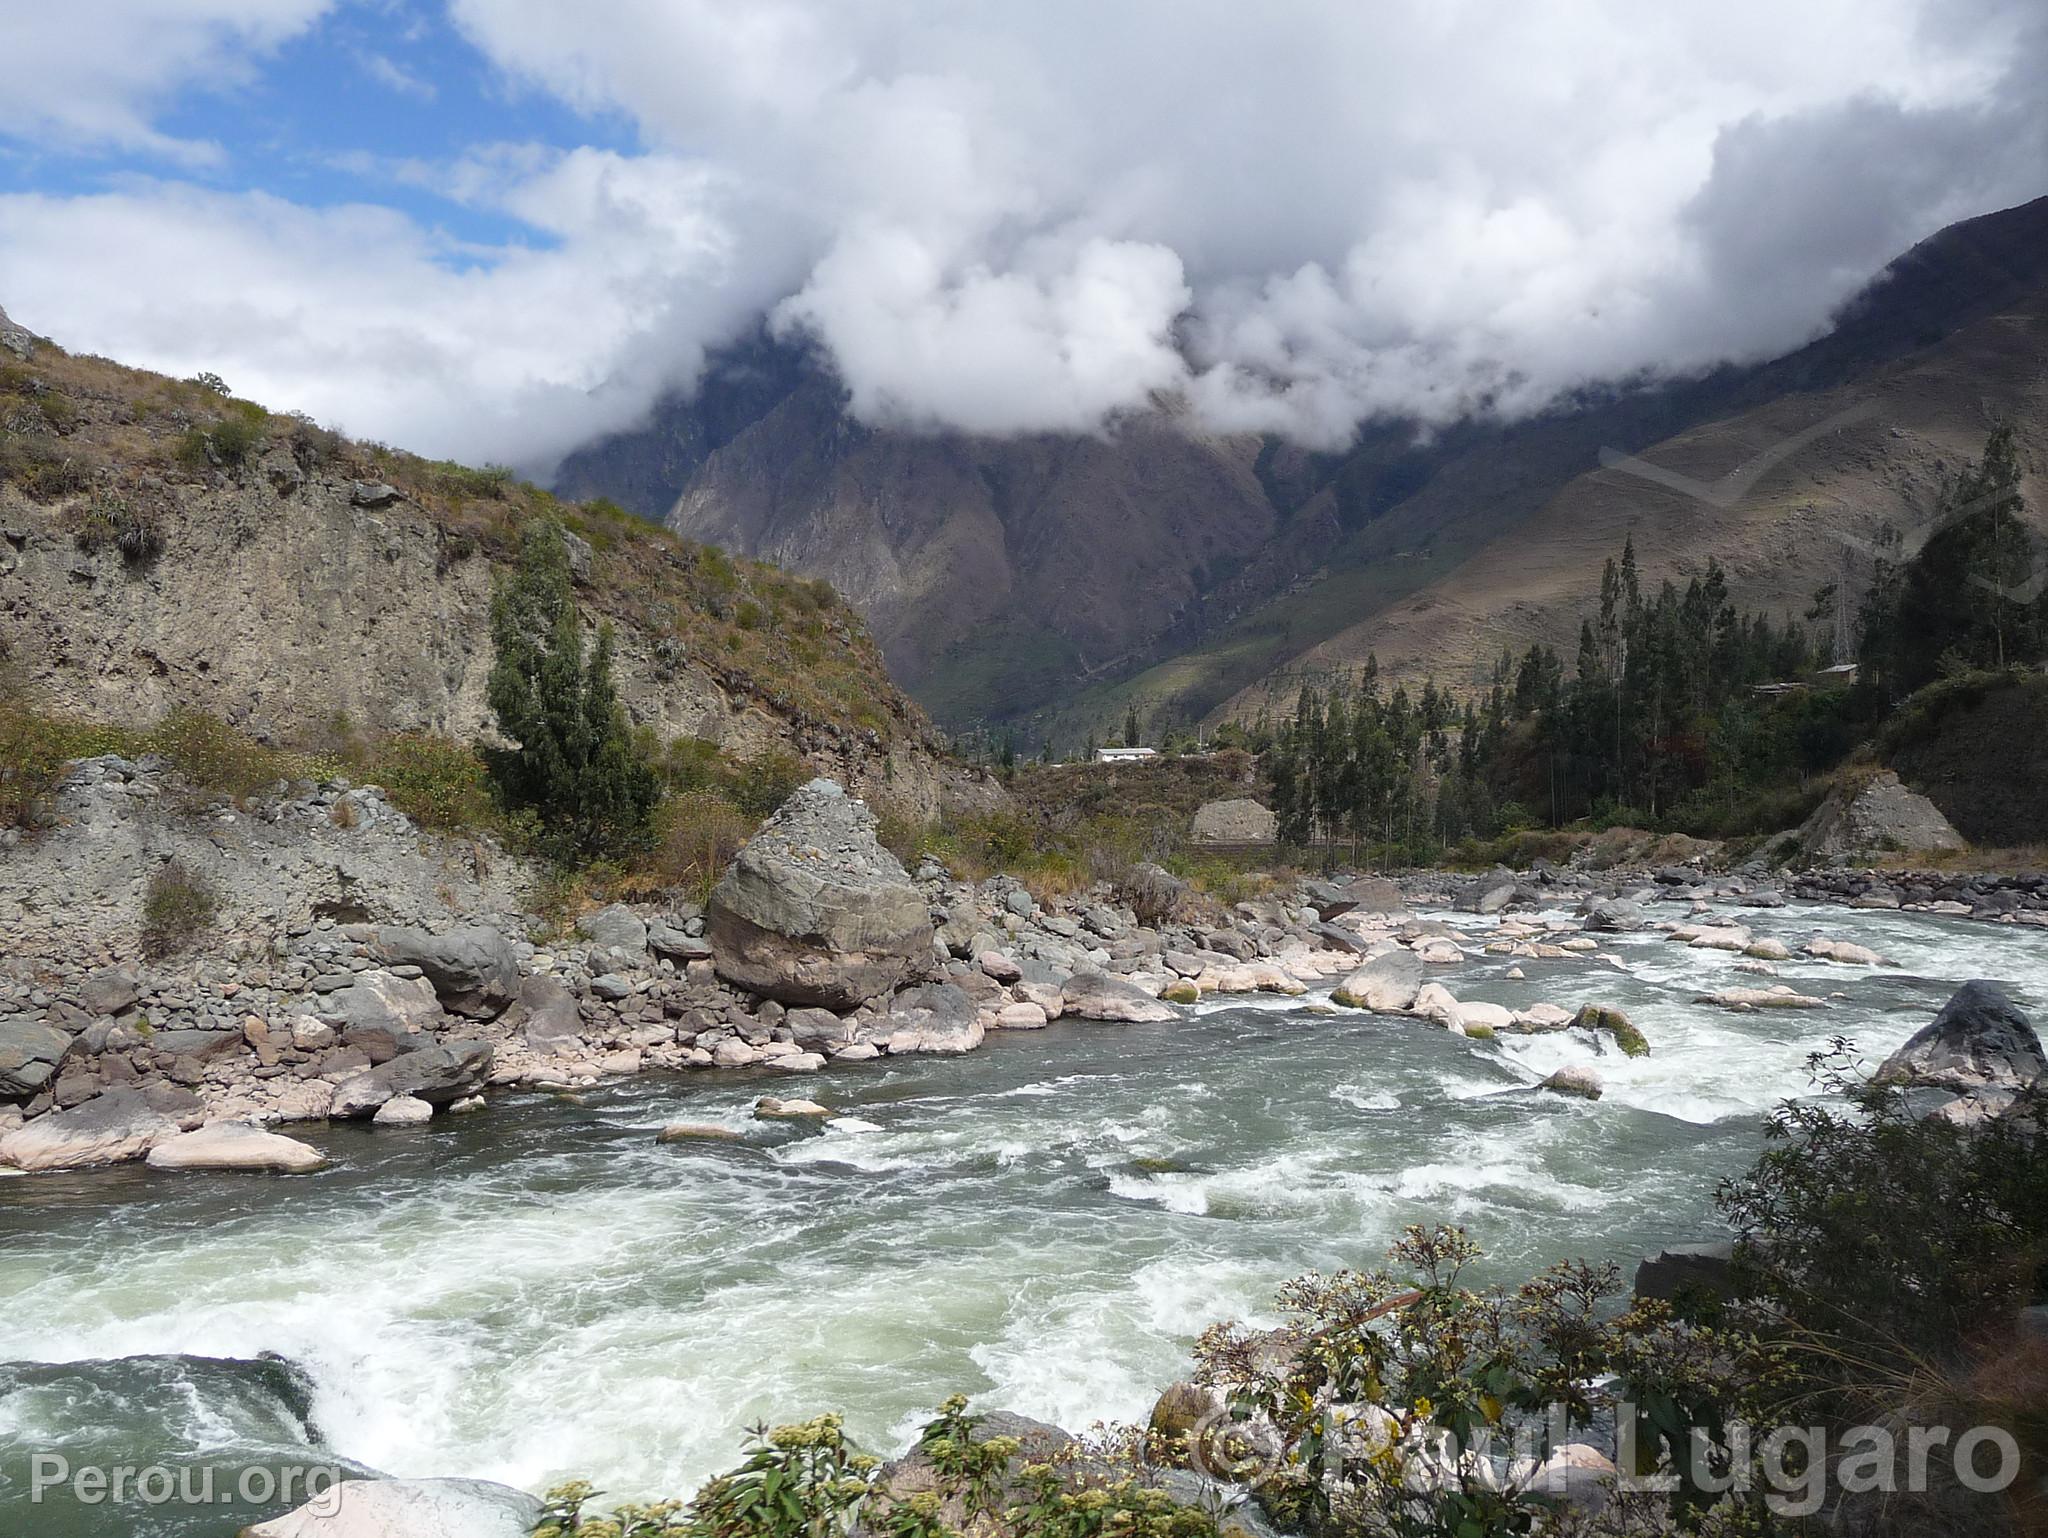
[1410, 1356]
[764, 782]
[177, 905]
[213, 756]
[810, 1481]
[434, 781]
[1892, 1235]
[695, 836]
[33, 752]
[136, 532]
[228, 443]
[43, 468]
[312, 446]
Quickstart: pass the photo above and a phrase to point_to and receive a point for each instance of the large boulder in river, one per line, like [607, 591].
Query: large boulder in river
[472, 969]
[29, 1054]
[1099, 996]
[933, 1017]
[408, 1508]
[1980, 1040]
[235, 1146]
[1386, 985]
[1234, 822]
[118, 1125]
[815, 911]
[436, 1074]
[1879, 815]
[1616, 915]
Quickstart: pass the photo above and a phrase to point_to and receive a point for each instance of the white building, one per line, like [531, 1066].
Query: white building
[1123, 755]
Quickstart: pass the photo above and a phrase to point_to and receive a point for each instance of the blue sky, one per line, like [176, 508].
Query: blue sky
[494, 228]
[335, 114]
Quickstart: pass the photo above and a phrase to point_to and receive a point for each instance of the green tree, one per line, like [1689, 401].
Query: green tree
[572, 761]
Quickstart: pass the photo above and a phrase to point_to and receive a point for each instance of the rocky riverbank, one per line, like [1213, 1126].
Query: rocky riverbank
[357, 967]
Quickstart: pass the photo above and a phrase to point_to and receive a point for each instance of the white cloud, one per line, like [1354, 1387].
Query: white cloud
[93, 73]
[1035, 216]
[359, 317]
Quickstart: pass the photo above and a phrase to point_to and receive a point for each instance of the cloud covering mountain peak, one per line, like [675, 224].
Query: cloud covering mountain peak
[1290, 217]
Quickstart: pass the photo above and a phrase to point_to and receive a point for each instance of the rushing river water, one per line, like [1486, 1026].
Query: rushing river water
[544, 1291]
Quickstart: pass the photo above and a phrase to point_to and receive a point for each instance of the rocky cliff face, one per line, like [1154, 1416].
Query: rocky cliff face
[309, 583]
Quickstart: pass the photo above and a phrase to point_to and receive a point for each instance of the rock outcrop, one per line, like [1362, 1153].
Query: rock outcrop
[1980, 1040]
[1242, 821]
[1877, 817]
[814, 911]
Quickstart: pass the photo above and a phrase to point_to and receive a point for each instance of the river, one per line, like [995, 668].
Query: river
[543, 1291]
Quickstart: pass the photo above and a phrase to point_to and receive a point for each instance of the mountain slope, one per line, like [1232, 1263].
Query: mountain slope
[1811, 518]
[162, 546]
[1050, 580]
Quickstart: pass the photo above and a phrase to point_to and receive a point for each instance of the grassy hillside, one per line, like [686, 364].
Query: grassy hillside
[1977, 746]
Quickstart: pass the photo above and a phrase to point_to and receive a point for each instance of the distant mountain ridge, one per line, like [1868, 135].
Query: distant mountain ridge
[1049, 580]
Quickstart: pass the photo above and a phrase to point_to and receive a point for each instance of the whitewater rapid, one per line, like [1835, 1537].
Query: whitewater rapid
[543, 1291]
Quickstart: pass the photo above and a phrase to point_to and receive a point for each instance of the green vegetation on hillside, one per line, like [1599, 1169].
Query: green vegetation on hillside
[1679, 712]
[572, 760]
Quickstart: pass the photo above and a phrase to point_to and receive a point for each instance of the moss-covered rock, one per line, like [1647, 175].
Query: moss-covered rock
[1604, 1019]
[1182, 992]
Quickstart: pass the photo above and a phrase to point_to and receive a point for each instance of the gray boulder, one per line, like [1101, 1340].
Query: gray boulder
[814, 1027]
[617, 928]
[110, 991]
[814, 911]
[1580, 1080]
[1686, 1270]
[1616, 915]
[29, 1054]
[408, 1508]
[1387, 984]
[381, 1003]
[436, 1074]
[678, 944]
[550, 1019]
[473, 969]
[1099, 996]
[932, 1017]
[1979, 1040]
